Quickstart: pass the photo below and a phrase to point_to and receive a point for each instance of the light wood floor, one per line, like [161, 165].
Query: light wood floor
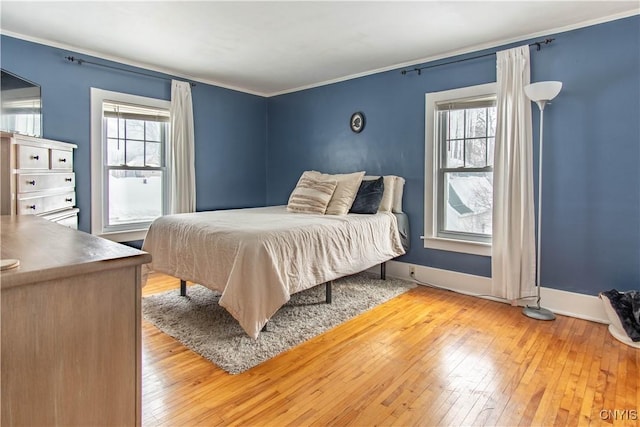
[427, 357]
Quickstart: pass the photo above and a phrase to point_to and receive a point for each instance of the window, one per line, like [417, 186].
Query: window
[460, 138]
[129, 173]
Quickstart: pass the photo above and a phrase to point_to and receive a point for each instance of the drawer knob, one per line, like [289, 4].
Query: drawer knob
[68, 199]
[31, 182]
[68, 180]
[31, 207]
[63, 160]
[35, 157]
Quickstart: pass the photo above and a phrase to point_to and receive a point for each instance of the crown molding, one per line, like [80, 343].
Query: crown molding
[170, 73]
[475, 48]
[465, 51]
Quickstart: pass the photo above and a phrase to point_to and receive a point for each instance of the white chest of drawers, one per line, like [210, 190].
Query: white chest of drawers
[37, 178]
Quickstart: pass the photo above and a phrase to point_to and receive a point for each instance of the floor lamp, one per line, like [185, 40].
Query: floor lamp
[540, 93]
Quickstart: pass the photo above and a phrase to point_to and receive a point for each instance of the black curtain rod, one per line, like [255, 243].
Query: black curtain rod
[537, 44]
[81, 61]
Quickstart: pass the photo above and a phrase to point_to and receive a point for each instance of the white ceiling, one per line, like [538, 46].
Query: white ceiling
[268, 48]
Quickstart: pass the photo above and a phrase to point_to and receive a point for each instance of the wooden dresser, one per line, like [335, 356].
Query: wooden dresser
[71, 337]
[37, 178]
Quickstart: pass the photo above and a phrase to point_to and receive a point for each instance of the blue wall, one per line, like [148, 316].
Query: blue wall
[591, 188]
[230, 155]
[250, 150]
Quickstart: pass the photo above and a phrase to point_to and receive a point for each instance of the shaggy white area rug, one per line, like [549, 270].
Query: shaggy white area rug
[198, 322]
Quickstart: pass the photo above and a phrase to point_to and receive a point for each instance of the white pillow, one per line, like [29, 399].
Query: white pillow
[398, 190]
[311, 195]
[345, 192]
[388, 196]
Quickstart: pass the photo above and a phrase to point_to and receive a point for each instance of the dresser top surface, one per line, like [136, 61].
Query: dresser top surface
[48, 251]
[17, 138]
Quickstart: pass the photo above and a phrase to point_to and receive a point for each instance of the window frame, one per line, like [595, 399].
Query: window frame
[100, 170]
[466, 243]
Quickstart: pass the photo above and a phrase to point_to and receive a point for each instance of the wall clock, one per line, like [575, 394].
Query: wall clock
[357, 122]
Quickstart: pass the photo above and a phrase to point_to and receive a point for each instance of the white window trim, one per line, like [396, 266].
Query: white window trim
[430, 238]
[98, 96]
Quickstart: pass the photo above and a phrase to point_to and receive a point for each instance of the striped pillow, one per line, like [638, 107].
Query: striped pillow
[346, 190]
[311, 195]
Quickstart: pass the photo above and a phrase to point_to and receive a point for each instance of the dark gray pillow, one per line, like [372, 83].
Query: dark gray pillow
[368, 198]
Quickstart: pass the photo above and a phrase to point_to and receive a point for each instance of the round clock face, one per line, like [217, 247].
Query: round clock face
[357, 122]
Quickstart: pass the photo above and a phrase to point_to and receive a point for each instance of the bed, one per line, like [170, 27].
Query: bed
[258, 257]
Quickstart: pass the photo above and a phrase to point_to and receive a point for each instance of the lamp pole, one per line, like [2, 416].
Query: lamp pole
[540, 93]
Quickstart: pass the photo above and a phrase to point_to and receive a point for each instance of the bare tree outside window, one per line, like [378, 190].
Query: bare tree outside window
[465, 184]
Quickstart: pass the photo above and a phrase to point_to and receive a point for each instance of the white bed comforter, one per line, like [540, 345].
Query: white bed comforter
[258, 257]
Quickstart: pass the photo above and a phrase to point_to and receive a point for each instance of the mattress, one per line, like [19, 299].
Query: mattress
[257, 258]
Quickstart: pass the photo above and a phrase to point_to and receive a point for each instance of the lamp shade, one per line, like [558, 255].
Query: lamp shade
[543, 91]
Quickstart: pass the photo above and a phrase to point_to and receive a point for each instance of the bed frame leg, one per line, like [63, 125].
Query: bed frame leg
[328, 291]
[183, 288]
[383, 271]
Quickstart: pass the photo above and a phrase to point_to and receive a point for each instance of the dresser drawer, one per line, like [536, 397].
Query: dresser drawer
[41, 203]
[67, 217]
[28, 157]
[45, 181]
[69, 222]
[61, 160]
[37, 177]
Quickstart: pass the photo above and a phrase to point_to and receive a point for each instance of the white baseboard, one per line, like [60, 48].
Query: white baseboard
[587, 307]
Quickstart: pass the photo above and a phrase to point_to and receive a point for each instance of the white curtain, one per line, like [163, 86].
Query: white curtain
[181, 157]
[513, 241]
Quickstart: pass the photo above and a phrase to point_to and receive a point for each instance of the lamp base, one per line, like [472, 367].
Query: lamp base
[538, 313]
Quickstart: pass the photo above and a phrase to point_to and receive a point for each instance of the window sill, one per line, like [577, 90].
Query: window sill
[125, 236]
[467, 247]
